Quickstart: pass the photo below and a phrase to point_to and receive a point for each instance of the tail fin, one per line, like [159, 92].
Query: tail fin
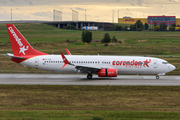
[20, 45]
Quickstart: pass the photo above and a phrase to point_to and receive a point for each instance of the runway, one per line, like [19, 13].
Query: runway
[59, 79]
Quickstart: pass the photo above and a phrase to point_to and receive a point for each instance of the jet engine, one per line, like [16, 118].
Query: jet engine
[111, 72]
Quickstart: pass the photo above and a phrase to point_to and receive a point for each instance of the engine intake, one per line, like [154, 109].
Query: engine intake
[107, 72]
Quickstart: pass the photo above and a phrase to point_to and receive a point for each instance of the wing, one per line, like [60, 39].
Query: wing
[87, 69]
[82, 68]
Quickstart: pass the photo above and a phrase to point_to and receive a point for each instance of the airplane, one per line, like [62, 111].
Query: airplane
[103, 66]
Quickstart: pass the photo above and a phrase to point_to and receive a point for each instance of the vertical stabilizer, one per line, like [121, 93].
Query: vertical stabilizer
[20, 45]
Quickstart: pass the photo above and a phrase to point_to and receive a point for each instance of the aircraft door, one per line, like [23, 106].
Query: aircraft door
[155, 63]
[36, 62]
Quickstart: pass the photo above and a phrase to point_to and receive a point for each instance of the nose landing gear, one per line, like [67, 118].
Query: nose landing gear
[157, 76]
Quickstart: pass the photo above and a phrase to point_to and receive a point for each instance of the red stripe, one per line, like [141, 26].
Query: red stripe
[163, 16]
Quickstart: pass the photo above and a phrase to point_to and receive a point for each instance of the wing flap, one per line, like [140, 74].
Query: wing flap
[87, 66]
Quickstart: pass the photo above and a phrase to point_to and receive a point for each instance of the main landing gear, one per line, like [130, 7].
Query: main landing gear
[89, 76]
[157, 76]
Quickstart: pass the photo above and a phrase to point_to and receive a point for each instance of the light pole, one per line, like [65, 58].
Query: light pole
[118, 16]
[113, 16]
[11, 14]
[54, 15]
[85, 14]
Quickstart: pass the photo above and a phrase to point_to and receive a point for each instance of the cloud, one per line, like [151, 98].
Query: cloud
[174, 0]
[139, 2]
[3, 1]
[132, 4]
[43, 14]
[12, 1]
[97, 16]
[36, 9]
[81, 9]
[30, 3]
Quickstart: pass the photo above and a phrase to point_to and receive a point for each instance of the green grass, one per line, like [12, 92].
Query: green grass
[88, 115]
[88, 102]
[104, 98]
[50, 39]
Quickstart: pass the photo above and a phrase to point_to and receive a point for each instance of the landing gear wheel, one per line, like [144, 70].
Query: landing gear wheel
[157, 77]
[89, 76]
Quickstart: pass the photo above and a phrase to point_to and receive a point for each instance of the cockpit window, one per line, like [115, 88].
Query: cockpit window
[165, 63]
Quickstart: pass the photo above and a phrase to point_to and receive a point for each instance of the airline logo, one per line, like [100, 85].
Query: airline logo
[129, 20]
[132, 63]
[23, 48]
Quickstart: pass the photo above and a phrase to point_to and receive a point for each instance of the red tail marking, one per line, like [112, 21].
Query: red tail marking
[68, 52]
[19, 44]
[64, 60]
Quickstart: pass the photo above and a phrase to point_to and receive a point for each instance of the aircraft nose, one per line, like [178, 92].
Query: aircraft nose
[172, 67]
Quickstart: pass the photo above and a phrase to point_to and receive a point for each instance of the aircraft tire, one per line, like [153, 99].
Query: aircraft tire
[157, 77]
[89, 76]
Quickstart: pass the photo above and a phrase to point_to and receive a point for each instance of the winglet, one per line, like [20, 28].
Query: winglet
[68, 52]
[64, 60]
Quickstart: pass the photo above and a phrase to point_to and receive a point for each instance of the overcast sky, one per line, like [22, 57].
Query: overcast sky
[96, 10]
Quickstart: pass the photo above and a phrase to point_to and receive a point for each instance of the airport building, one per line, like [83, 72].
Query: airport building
[151, 19]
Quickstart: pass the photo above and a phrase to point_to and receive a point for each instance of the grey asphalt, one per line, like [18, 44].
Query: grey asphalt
[61, 79]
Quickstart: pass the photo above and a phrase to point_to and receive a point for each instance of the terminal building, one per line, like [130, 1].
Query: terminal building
[151, 19]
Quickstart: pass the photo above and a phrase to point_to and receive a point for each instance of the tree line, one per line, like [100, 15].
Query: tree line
[86, 37]
[138, 26]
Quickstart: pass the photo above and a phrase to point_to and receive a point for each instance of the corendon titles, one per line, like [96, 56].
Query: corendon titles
[18, 40]
[132, 63]
[15, 36]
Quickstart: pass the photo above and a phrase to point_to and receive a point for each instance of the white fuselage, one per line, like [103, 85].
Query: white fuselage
[124, 64]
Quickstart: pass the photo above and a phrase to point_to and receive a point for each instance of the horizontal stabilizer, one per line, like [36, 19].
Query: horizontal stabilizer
[12, 56]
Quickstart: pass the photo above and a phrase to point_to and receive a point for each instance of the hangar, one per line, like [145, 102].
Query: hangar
[151, 19]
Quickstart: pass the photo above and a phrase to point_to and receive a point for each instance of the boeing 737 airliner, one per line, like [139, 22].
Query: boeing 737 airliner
[104, 66]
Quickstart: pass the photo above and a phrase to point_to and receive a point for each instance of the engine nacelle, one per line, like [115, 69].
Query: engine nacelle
[107, 72]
